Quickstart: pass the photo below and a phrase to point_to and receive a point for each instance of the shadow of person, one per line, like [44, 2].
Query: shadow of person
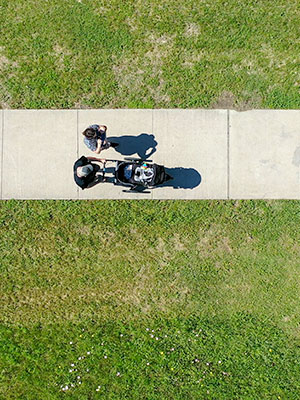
[183, 178]
[144, 145]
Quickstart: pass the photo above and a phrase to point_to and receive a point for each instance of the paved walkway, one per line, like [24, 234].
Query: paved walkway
[212, 154]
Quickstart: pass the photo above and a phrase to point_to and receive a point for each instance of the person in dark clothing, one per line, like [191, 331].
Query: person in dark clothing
[85, 172]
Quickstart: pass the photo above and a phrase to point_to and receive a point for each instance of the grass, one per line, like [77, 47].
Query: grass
[149, 54]
[149, 300]
[218, 282]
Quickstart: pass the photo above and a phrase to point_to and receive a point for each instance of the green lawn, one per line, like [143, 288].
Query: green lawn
[215, 283]
[150, 53]
[149, 300]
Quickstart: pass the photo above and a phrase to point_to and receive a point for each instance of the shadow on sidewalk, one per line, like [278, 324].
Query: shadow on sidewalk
[144, 145]
[183, 178]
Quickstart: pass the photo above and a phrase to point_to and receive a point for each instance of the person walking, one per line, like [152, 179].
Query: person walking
[95, 138]
[86, 173]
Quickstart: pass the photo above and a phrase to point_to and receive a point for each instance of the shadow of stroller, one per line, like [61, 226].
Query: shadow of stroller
[144, 145]
[183, 178]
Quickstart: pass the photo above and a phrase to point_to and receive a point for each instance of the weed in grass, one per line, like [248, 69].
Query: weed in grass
[237, 358]
[149, 299]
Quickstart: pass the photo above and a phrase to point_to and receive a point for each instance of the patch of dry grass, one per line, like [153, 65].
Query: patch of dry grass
[66, 266]
[150, 54]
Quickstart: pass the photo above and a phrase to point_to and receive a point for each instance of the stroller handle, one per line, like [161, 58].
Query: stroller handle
[136, 159]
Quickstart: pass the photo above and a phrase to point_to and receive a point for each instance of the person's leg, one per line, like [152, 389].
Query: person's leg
[106, 145]
[113, 144]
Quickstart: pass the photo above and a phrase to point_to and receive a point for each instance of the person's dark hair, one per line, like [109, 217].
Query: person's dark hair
[90, 133]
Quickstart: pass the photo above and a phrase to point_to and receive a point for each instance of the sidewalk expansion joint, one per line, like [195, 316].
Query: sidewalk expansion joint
[77, 144]
[228, 154]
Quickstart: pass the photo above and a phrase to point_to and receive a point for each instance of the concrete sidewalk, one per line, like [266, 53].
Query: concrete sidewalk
[212, 154]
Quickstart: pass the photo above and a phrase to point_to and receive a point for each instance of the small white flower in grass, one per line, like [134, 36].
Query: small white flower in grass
[102, 344]
[78, 377]
[166, 335]
[105, 356]
[152, 330]
[79, 358]
[71, 342]
[70, 370]
[72, 365]
[156, 338]
[197, 335]
[79, 383]
[152, 336]
[121, 334]
[88, 353]
[147, 329]
[87, 370]
[97, 390]
[207, 363]
[172, 349]
[72, 385]
[148, 363]
[118, 374]
[219, 362]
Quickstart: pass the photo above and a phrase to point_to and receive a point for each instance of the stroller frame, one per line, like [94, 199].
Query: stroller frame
[160, 175]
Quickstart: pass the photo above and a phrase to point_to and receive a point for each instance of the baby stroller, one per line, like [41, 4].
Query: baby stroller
[138, 174]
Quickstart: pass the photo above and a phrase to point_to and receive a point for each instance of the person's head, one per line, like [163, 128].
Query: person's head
[82, 172]
[102, 128]
[90, 133]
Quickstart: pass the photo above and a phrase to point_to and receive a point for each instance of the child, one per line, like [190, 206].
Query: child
[95, 138]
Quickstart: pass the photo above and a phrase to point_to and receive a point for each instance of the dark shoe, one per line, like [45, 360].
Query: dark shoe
[114, 145]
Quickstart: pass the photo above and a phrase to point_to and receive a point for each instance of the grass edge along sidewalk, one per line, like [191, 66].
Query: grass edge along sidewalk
[254, 154]
[194, 283]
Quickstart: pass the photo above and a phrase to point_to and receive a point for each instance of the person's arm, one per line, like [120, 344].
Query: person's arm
[102, 160]
[98, 149]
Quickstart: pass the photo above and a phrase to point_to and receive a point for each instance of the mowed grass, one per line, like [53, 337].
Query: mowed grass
[148, 54]
[150, 300]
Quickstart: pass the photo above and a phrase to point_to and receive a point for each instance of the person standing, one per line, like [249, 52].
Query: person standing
[86, 173]
[95, 138]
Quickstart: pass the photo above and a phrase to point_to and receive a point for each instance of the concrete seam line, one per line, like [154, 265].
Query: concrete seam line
[228, 154]
[152, 127]
[77, 144]
[2, 139]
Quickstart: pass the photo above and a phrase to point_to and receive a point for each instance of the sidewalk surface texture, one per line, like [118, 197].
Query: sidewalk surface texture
[212, 154]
